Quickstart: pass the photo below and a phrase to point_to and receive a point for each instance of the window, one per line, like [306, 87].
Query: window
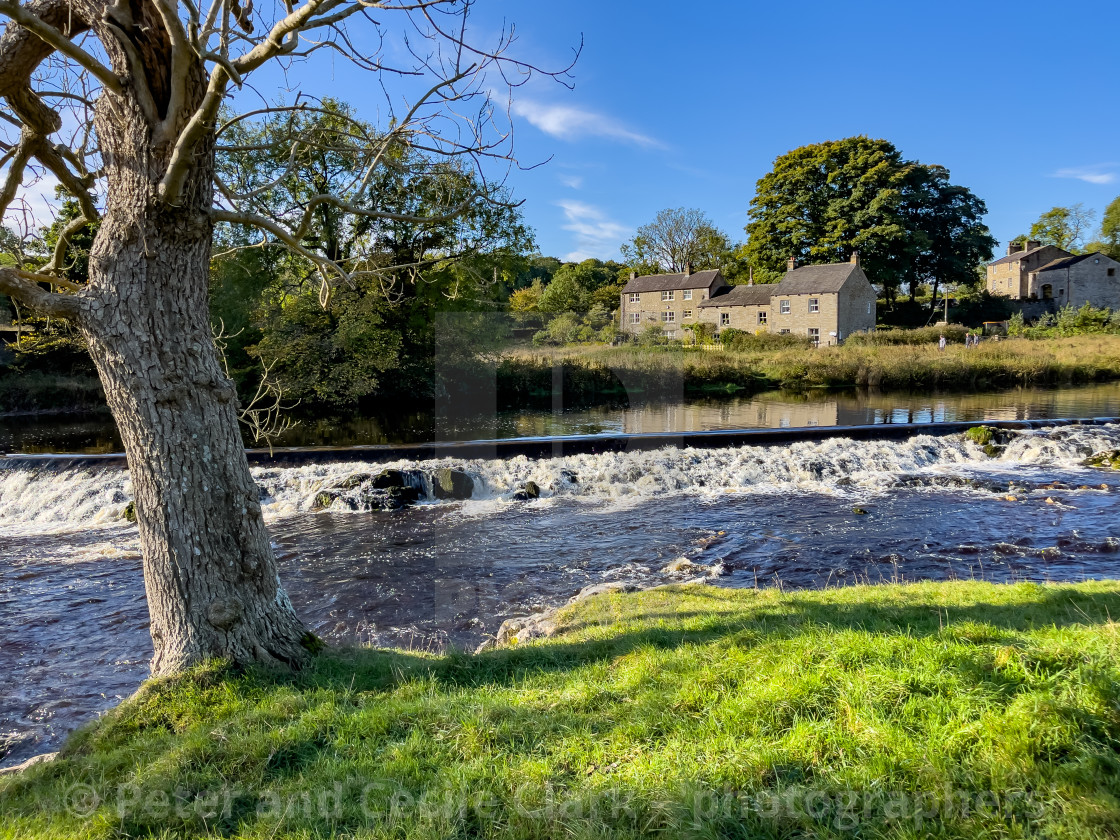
[635, 317]
[724, 319]
[783, 332]
[869, 309]
[762, 316]
[783, 307]
[687, 294]
[635, 297]
[1112, 272]
[668, 317]
[687, 313]
[667, 295]
[1047, 291]
[815, 336]
[814, 305]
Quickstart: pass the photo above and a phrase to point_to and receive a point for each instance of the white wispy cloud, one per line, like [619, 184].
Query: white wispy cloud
[1101, 173]
[596, 234]
[570, 123]
[573, 181]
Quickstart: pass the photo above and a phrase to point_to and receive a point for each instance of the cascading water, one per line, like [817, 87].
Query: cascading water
[448, 571]
[38, 497]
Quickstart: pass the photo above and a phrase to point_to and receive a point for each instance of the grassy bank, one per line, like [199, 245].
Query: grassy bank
[935, 710]
[607, 371]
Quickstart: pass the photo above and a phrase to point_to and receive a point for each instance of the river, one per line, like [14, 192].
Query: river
[811, 513]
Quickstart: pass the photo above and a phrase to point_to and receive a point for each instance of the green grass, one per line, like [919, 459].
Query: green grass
[933, 710]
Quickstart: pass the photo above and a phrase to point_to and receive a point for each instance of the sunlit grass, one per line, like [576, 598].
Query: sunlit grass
[957, 709]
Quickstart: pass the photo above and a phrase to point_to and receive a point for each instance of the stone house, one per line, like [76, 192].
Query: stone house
[1086, 278]
[744, 308]
[825, 303]
[1009, 276]
[667, 300]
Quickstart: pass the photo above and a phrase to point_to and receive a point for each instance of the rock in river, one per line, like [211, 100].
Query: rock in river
[448, 483]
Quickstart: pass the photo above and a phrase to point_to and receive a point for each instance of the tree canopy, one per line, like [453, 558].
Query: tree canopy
[676, 238]
[909, 223]
[1064, 227]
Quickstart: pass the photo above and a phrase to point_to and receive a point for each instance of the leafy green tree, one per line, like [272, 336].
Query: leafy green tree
[406, 262]
[564, 294]
[676, 238]
[1064, 227]
[823, 201]
[1108, 241]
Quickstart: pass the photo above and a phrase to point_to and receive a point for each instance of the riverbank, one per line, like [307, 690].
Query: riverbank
[597, 372]
[958, 709]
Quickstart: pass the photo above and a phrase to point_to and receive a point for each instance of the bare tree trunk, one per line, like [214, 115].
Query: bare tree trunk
[211, 578]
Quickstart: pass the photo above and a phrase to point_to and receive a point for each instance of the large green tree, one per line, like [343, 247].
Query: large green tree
[909, 224]
[405, 263]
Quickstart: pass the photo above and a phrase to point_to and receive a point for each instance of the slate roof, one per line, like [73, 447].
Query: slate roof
[1066, 262]
[743, 296]
[665, 282]
[1018, 255]
[810, 279]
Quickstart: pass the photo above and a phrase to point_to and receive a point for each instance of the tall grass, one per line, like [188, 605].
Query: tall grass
[994, 364]
[951, 710]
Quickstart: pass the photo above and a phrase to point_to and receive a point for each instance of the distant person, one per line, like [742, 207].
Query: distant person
[941, 344]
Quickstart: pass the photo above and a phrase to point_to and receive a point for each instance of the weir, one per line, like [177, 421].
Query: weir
[551, 447]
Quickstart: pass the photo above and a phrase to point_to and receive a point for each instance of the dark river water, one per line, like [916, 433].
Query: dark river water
[74, 618]
[777, 409]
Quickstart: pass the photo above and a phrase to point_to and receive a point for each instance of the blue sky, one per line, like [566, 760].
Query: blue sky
[687, 104]
[680, 104]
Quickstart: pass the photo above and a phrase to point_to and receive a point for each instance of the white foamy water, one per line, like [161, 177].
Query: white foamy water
[53, 497]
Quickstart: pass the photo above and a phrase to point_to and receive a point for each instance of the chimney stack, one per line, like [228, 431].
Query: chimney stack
[750, 280]
[792, 264]
[687, 269]
[855, 258]
[1032, 244]
[633, 275]
[1013, 248]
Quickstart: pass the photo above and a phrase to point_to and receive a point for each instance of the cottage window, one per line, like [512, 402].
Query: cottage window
[635, 297]
[814, 305]
[667, 295]
[1047, 291]
[1112, 272]
[687, 313]
[762, 316]
[687, 294]
[724, 319]
[668, 317]
[783, 307]
[783, 332]
[635, 317]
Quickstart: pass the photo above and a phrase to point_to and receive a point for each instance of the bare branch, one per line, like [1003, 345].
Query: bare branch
[33, 23]
[24, 286]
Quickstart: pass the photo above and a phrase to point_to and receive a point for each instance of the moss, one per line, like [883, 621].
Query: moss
[129, 512]
[981, 435]
[312, 643]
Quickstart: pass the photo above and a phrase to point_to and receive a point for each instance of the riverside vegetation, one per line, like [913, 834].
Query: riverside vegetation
[959, 709]
[595, 372]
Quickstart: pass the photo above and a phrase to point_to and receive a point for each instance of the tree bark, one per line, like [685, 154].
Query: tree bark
[211, 578]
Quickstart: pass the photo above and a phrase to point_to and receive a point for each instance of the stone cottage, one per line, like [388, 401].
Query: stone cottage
[1086, 278]
[1009, 276]
[825, 303]
[667, 300]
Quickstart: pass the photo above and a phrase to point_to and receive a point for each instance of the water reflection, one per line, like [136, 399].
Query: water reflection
[775, 409]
